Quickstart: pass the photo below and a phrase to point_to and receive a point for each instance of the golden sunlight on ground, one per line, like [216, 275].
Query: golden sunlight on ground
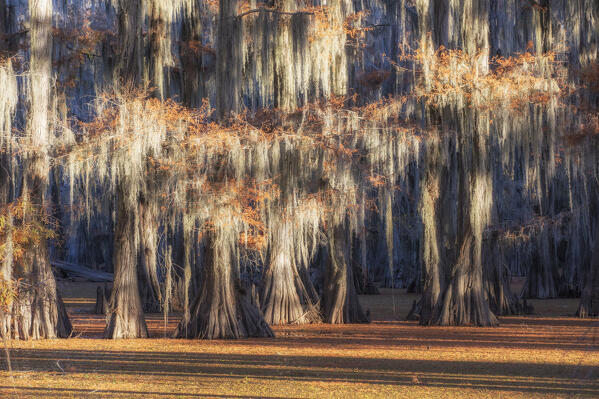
[549, 355]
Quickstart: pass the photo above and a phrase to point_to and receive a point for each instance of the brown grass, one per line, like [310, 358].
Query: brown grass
[550, 355]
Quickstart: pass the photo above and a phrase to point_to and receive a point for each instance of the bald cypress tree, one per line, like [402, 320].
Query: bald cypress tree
[38, 311]
[222, 309]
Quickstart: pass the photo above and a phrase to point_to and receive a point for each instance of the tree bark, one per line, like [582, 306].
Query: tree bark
[589, 300]
[285, 297]
[157, 38]
[130, 25]
[456, 205]
[340, 304]
[222, 310]
[38, 310]
[126, 317]
[541, 278]
[148, 277]
[229, 59]
[501, 299]
[464, 300]
[8, 104]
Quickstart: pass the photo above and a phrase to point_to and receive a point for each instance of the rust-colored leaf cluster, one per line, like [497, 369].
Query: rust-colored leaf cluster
[484, 83]
[23, 226]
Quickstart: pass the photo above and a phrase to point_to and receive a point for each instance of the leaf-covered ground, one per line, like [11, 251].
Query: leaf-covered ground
[547, 355]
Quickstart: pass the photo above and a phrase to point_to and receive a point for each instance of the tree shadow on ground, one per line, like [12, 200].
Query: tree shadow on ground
[516, 332]
[517, 377]
[112, 393]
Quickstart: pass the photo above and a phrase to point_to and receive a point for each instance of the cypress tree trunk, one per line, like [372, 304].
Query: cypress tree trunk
[456, 206]
[340, 303]
[383, 244]
[285, 298]
[157, 36]
[8, 103]
[151, 295]
[38, 311]
[6, 278]
[125, 318]
[541, 278]
[464, 300]
[135, 223]
[130, 65]
[589, 300]
[222, 310]
[431, 239]
[497, 280]
[229, 59]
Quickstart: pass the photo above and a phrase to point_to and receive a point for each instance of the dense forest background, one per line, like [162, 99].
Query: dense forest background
[251, 164]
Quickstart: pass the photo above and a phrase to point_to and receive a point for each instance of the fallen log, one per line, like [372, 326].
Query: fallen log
[84, 272]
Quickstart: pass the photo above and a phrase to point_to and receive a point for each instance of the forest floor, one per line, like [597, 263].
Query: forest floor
[548, 355]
